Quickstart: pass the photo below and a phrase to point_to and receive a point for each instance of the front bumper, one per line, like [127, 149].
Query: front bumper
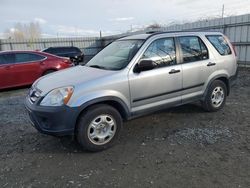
[57, 121]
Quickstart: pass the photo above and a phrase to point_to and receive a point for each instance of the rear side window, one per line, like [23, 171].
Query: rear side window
[54, 50]
[220, 44]
[77, 50]
[27, 57]
[71, 50]
[61, 50]
[64, 50]
[49, 50]
[193, 49]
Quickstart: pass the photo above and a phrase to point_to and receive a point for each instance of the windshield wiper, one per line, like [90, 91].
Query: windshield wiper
[102, 67]
[98, 66]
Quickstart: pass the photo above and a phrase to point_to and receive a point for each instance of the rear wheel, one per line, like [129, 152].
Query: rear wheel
[99, 127]
[216, 96]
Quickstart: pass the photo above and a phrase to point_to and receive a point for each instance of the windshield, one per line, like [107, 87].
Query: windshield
[116, 56]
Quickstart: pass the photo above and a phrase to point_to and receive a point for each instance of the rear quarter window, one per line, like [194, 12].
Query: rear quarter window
[27, 57]
[76, 49]
[220, 44]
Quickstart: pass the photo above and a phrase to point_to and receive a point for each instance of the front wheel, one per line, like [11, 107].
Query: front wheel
[216, 96]
[98, 127]
[48, 72]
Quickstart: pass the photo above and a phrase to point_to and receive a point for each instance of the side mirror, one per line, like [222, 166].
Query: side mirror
[144, 65]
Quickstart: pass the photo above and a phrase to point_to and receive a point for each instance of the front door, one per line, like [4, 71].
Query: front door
[7, 61]
[160, 86]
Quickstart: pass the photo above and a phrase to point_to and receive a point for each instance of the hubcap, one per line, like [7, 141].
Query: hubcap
[217, 97]
[102, 129]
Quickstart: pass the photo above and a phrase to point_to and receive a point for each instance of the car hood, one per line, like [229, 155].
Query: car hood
[69, 77]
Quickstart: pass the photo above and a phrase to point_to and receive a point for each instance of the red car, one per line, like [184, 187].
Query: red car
[19, 68]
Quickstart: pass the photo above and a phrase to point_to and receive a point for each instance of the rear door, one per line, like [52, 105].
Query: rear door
[27, 68]
[160, 86]
[197, 66]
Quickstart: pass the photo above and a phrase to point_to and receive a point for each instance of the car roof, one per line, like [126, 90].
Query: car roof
[62, 47]
[139, 36]
[28, 51]
[21, 51]
[170, 33]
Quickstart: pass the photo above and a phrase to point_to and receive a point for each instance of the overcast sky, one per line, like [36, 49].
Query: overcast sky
[88, 17]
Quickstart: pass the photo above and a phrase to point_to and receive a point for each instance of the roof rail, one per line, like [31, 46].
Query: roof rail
[179, 31]
[152, 32]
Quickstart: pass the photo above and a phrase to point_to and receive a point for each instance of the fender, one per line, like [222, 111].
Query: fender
[214, 78]
[122, 108]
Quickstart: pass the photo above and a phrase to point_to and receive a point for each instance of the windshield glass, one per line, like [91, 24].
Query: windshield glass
[116, 56]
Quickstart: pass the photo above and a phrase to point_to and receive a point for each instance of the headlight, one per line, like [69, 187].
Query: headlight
[58, 97]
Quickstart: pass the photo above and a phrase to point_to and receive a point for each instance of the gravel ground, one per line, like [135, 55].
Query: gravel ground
[179, 147]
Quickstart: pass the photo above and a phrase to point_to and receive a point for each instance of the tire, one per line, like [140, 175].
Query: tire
[98, 127]
[74, 60]
[48, 72]
[215, 98]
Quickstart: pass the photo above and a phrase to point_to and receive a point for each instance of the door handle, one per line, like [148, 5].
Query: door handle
[211, 64]
[42, 63]
[173, 71]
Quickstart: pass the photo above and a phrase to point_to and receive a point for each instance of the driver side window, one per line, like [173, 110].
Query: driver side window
[162, 52]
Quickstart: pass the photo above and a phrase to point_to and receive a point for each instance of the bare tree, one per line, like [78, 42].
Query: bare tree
[24, 31]
[154, 26]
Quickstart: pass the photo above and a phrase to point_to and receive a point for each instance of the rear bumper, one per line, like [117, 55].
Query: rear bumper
[232, 79]
[57, 121]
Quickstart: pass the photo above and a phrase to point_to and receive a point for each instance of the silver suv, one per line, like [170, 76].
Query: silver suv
[133, 76]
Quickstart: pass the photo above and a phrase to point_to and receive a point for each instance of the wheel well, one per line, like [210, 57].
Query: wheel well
[226, 82]
[44, 72]
[119, 107]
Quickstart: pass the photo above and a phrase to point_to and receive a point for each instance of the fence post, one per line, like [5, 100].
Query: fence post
[11, 47]
[103, 42]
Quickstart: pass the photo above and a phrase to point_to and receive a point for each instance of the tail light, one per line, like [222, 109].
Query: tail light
[235, 52]
[234, 49]
[67, 61]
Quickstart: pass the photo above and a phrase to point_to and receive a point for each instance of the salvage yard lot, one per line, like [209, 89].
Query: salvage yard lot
[179, 147]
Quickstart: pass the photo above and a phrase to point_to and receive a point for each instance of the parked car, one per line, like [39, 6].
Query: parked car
[131, 77]
[74, 53]
[19, 68]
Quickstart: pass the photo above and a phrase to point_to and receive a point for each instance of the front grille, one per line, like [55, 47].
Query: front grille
[34, 94]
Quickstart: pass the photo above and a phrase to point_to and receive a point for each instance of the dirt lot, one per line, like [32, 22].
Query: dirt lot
[180, 147]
